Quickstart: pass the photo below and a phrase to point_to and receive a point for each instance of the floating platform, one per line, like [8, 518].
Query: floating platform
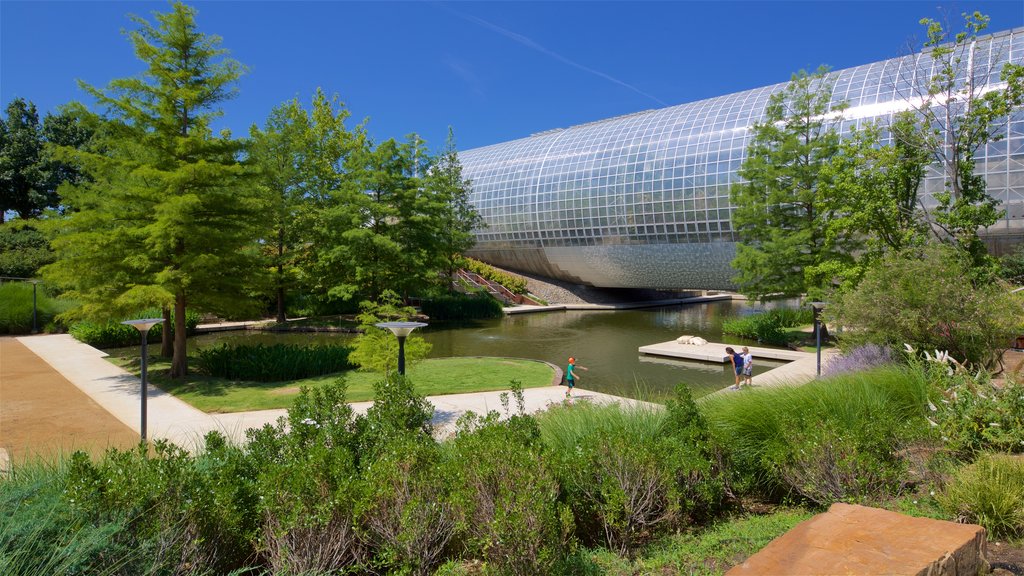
[715, 352]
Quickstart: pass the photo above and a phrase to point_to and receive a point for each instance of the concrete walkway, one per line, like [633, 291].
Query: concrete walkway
[119, 392]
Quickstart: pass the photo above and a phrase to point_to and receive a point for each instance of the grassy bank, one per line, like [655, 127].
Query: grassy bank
[432, 377]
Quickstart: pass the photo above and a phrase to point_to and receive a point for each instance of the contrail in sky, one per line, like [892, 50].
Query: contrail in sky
[519, 38]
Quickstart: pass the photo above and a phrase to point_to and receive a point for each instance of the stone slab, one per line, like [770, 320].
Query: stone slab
[715, 352]
[858, 540]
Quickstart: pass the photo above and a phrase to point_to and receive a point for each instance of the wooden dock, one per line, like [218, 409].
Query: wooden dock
[715, 352]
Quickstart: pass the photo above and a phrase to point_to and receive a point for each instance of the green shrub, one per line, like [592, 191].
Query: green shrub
[768, 326]
[376, 349]
[113, 334]
[830, 440]
[507, 494]
[969, 412]
[462, 307]
[41, 533]
[407, 507]
[23, 250]
[1012, 266]
[397, 412]
[308, 484]
[929, 299]
[16, 308]
[272, 363]
[180, 511]
[631, 474]
[989, 492]
[513, 283]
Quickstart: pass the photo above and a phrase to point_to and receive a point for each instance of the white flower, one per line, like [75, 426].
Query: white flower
[932, 406]
[994, 424]
[909, 348]
[932, 422]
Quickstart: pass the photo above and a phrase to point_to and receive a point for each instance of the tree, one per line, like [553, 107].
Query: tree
[167, 218]
[373, 231]
[779, 215]
[459, 218]
[30, 174]
[296, 156]
[958, 111]
[22, 176]
[871, 193]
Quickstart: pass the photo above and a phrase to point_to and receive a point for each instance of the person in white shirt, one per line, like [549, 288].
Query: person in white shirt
[748, 366]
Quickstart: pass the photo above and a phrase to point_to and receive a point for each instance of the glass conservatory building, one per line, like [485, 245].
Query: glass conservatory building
[642, 200]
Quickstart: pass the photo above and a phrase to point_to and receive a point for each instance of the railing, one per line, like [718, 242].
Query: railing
[497, 290]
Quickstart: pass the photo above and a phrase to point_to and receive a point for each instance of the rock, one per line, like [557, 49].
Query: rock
[851, 539]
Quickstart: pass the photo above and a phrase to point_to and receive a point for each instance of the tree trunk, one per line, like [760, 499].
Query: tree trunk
[166, 341]
[281, 317]
[179, 365]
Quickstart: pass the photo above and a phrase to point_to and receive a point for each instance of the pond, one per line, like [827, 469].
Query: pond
[605, 342]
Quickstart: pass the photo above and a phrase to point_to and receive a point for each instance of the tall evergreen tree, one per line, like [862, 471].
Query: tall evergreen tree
[167, 218]
[277, 153]
[459, 217]
[779, 214]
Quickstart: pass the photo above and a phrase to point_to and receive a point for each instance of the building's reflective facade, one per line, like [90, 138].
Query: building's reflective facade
[643, 200]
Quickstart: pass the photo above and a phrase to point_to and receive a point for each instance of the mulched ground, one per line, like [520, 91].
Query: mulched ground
[44, 415]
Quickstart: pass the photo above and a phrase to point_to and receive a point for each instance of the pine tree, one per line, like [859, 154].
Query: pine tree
[779, 215]
[167, 218]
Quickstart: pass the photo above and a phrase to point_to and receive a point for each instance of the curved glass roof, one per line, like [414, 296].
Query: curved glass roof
[663, 176]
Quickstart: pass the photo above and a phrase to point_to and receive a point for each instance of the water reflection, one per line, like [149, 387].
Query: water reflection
[606, 342]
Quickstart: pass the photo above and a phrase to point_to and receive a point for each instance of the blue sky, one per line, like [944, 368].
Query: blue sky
[494, 71]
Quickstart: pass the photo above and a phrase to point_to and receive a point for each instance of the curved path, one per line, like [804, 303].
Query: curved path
[72, 377]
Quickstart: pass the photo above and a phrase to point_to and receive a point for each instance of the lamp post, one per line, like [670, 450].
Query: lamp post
[35, 324]
[143, 327]
[401, 330]
[818, 307]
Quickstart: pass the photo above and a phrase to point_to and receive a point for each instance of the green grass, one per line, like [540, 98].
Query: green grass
[713, 550]
[431, 377]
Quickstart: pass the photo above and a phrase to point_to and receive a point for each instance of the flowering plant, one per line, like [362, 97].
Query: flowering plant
[970, 412]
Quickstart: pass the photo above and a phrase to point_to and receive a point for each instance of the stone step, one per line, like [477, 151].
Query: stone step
[858, 540]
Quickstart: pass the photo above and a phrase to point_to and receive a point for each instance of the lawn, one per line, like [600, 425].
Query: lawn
[432, 377]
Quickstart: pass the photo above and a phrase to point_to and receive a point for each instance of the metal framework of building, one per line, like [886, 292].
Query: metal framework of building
[642, 200]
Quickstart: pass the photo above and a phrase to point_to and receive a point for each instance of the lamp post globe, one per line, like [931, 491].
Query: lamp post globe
[401, 330]
[143, 325]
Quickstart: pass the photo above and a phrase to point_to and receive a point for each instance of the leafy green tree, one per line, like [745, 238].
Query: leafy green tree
[296, 156]
[459, 217]
[779, 213]
[872, 193]
[30, 175]
[957, 112]
[22, 174]
[372, 228]
[166, 217]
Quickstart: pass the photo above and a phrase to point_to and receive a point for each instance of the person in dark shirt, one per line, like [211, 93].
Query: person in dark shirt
[737, 366]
